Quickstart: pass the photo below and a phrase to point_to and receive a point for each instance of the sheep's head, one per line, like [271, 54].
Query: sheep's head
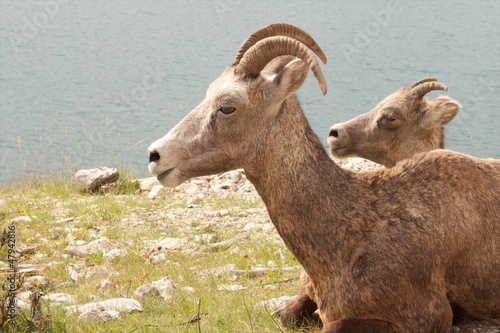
[401, 125]
[225, 130]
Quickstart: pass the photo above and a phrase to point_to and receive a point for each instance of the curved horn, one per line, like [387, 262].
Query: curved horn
[280, 29]
[259, 55]
[420, 90]
[429, 79]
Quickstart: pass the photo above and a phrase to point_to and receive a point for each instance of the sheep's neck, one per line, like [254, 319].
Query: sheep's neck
[305, 193]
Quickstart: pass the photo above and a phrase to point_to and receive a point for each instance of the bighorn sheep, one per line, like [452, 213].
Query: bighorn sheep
[401, 125]
[386, 251]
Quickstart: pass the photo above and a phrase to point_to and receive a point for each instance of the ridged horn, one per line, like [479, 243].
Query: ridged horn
[265, 50]
[429, 79]
[280, 29]
[423, 88]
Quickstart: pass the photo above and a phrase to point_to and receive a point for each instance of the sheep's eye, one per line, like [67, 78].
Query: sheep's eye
[388, 122]
[227, 109]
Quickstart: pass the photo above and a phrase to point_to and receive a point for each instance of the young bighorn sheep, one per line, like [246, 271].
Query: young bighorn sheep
[401, 125]
[386, 251]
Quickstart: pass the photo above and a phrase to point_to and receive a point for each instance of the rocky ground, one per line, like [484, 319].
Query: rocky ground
[248, 221]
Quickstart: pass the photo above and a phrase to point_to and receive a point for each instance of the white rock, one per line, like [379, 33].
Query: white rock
[59, 298]
[24, 296]
[163, 288]
[192, 189]
[73, 274]
[146, 184]
[218, 271]
[267, 227]
[35, 280]
[205, 238]
[231, 287]
[92, 179]
[235, 176]
[156, 258]
[106, 285]
[113, 253]
[21, 219]
[157, 191]
[223, 212]
[97, 315]
[95, 247]
[170, 243]
[194, 202]
[189, 289]
[275, 303]
[357, 164]
[252, 226]
[114, 304]
[23, 305]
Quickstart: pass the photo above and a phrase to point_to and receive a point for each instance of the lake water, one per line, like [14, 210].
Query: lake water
[90, 83]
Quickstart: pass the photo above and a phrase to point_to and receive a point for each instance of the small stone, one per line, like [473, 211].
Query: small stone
[95, 247]
[157, 191]
[235, 176]
[59, 298]
[231, 287]
[275, 303]
[163, 287]
[92, 179]
[205, 238]
[156, 258]
[113, 304]
[193, 202]
[192, 189]
[21, 219]
[170, 243]
[106, 285]
[23, 305]
[146, 184]
[73, 274]
[113, 253]
[223, 212]
[97, 315]
[36, 281]
[218, 271]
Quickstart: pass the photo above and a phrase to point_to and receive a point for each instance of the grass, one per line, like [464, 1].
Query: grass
[60, 213]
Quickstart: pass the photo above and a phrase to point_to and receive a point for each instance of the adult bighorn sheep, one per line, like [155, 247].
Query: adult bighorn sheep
[401, 125]
[386, 251]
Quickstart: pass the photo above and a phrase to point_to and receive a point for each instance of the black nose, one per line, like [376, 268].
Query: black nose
[154, 156]
[334, 133]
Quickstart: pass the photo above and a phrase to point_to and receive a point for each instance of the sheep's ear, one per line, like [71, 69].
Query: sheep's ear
[290, 78]
[440, 111]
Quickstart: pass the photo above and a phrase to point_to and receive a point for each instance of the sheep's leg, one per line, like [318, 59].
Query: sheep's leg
[358, 326]
[300, 312]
